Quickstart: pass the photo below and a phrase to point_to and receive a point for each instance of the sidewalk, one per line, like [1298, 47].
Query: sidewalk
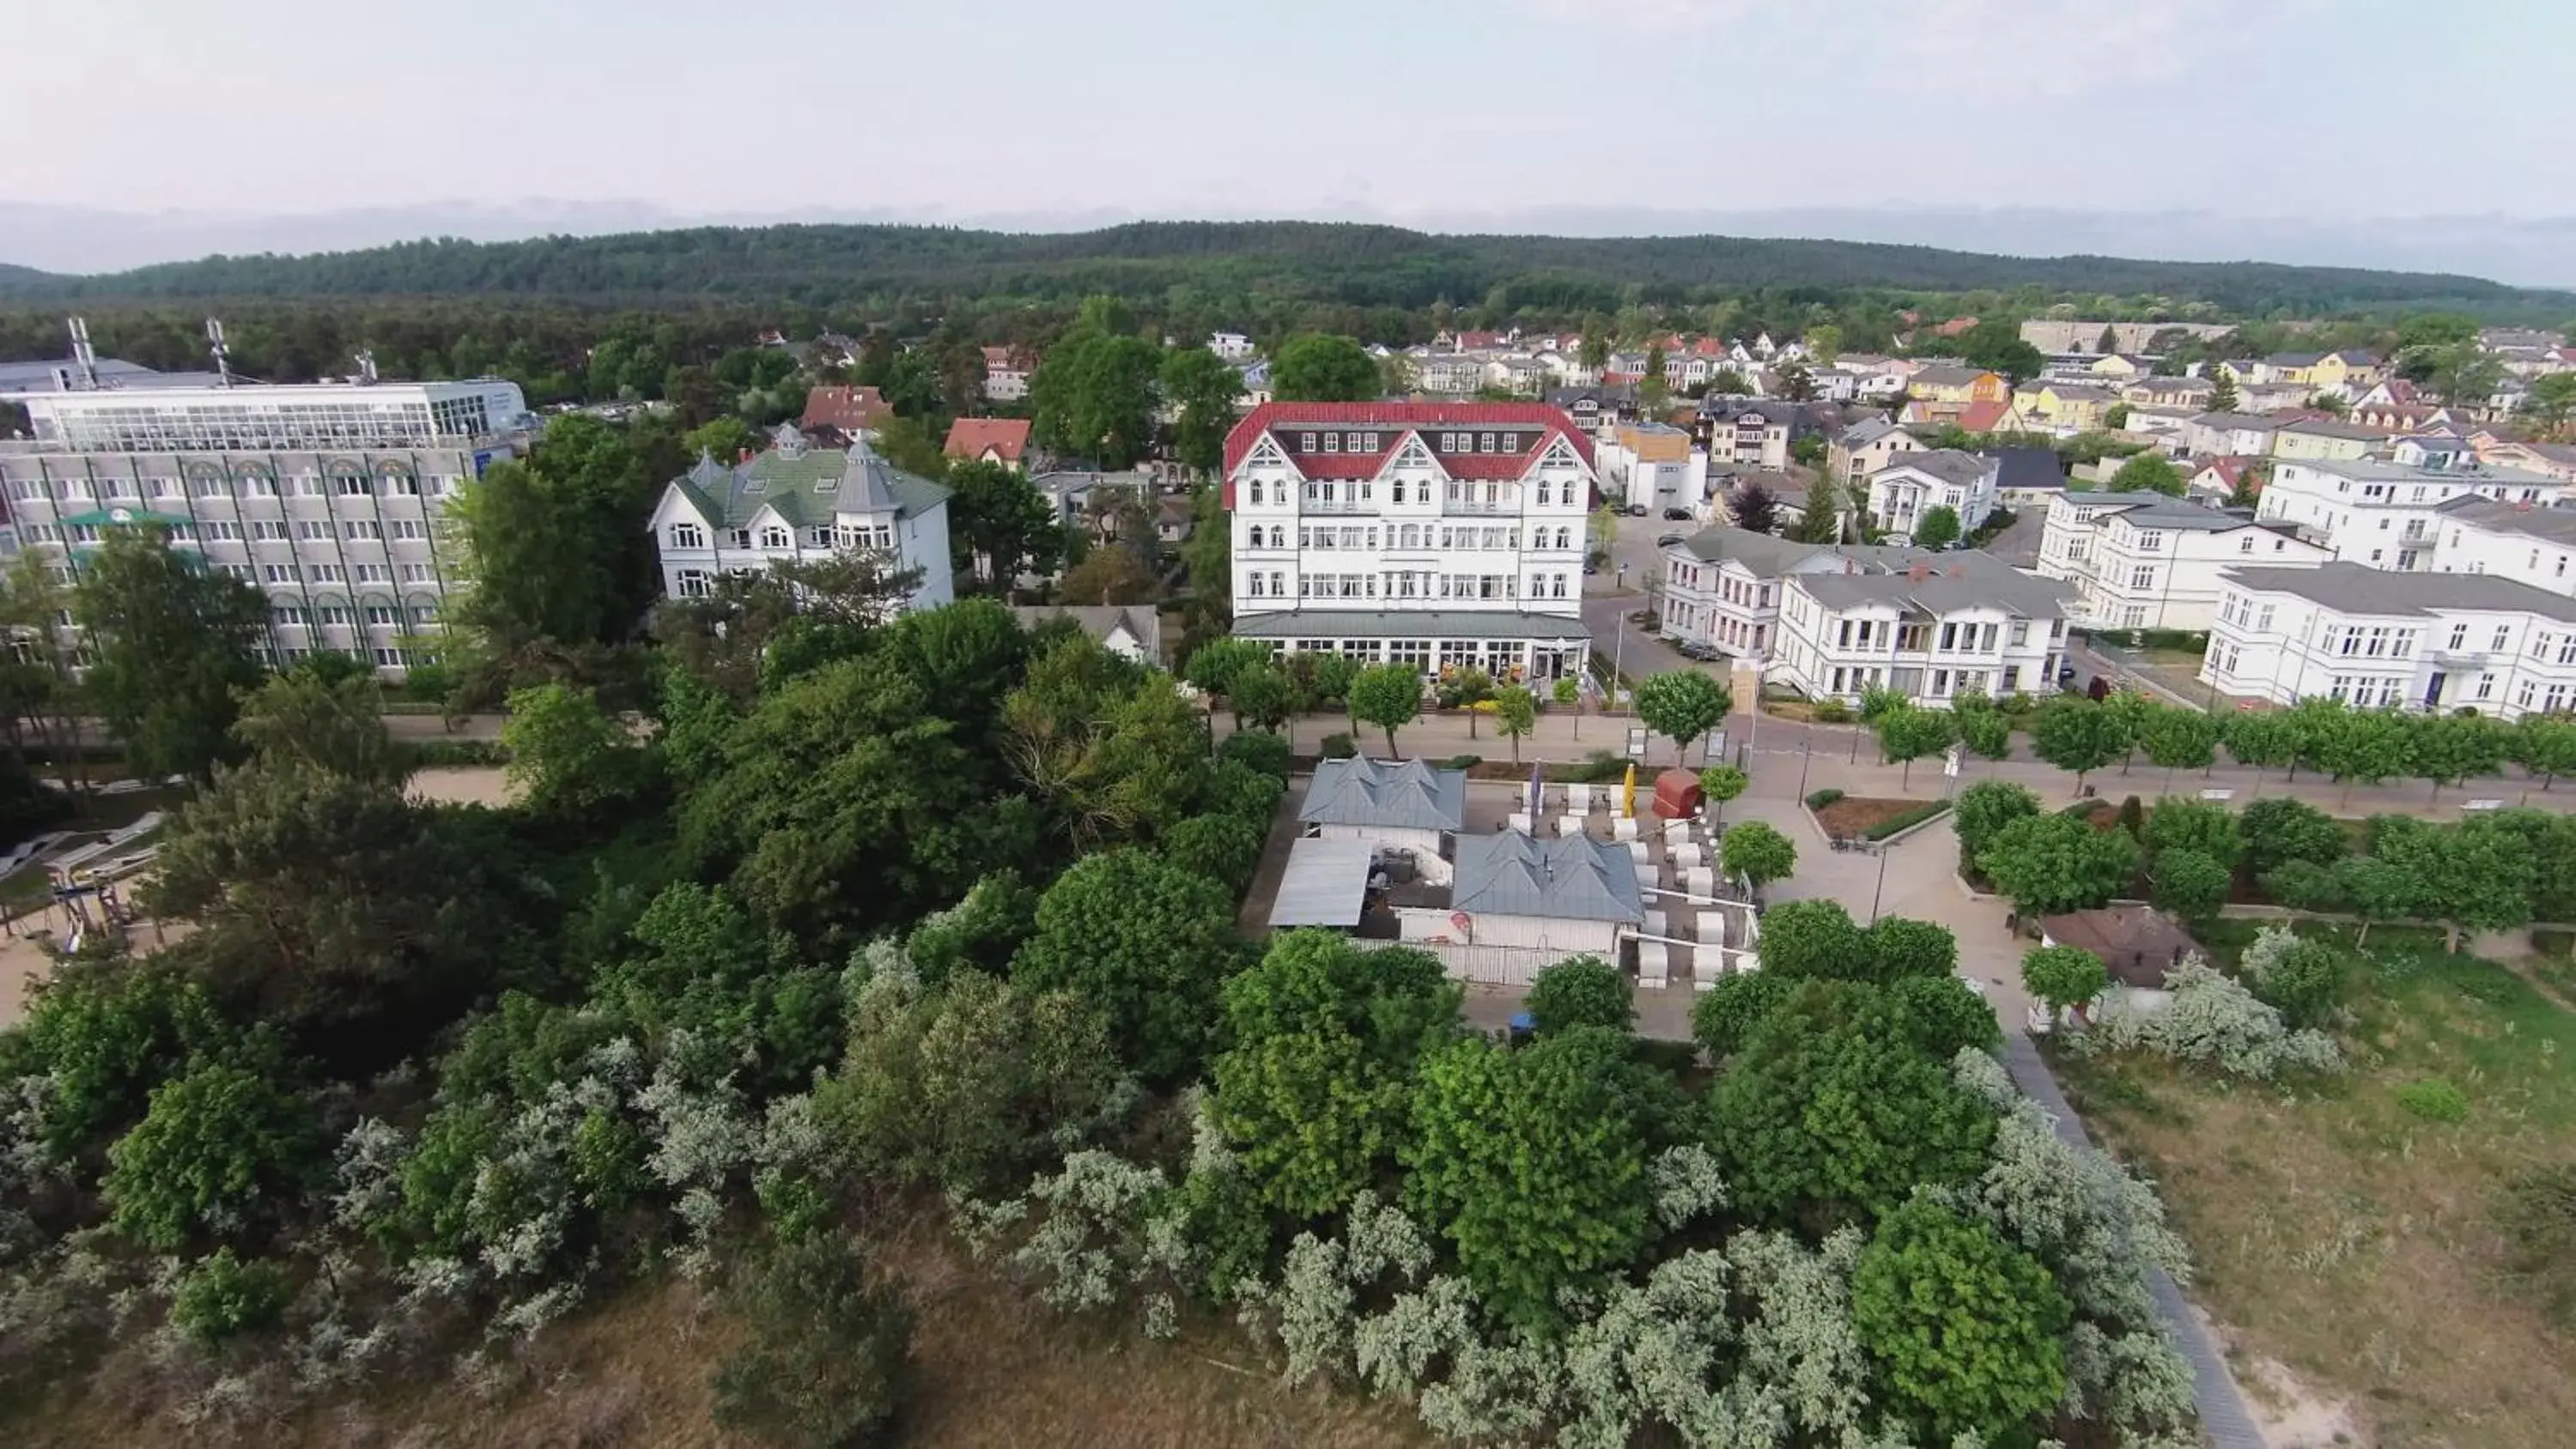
[1788, 760]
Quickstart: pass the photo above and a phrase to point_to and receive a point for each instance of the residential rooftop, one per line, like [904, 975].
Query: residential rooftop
[2351, 588]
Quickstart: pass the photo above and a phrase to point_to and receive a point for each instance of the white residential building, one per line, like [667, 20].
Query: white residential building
[2228, 435]
[1949, 624]
[2535, 546]
[794, 503]
[1428, 534]
[328, 497]
[1006, 373]
[2375, 639]
[2146, 561]
[1867, 446]
[1654, 464]
[1232, 346]
[2387, 515]
[1903, 491]
[1721, 586]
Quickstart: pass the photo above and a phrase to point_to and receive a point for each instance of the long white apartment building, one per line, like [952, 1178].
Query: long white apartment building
[2518, 541]
[326, 496]
[2142, 560]
[2374, 638]
[2388, 515]
[1428, 534]
[1944, 625]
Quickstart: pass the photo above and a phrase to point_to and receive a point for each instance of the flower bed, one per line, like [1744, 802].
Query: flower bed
[1866, 817]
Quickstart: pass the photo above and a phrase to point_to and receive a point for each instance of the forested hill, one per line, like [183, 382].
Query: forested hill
[1350, 265]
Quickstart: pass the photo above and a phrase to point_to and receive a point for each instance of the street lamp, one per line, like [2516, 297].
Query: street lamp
[1881, 886]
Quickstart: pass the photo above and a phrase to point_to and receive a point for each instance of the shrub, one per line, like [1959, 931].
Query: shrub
[1818, 800]
[222, 1296]
[1566, 691]
[827, 1359]
[1724, 1016]
[2434, 1100]
[1260, 750]
[2190, 883]
[2215, 1021]
[2537, 1212]
[2133, 818]
[2279, 829]
[1462, 762]
[1832, 711]
[1601, 767]
[1908, 820]
[1339, 746]
[2304, 885]
[2300, 978]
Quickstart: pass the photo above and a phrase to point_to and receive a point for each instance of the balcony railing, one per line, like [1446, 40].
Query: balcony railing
[1472, 508]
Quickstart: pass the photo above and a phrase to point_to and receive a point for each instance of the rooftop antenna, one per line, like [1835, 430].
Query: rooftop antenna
[84, 357]
[366, 367]
[223, 355]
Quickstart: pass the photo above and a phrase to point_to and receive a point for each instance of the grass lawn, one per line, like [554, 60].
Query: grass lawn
[2354, 1242]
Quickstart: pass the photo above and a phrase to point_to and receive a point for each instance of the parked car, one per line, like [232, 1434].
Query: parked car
[2065, 675]
[1668, 540]
[1678, 515]
[1636, 510]
[1700, 650]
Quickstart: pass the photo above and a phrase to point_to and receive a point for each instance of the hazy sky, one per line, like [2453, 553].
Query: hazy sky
[1396, 108]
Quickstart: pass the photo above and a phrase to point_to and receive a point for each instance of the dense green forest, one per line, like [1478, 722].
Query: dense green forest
[1346, 265]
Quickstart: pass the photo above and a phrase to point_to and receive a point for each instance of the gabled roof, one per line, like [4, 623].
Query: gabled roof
[970, 437]
[2138, 945]
[1395, 421]
[849, 409]
[1981, 417]
[1944, 584]
[1945, 375]
[1869, 430]
[2025, 468]
[2351, 588]
[1385, 794]
[1575, 878]
[1102, 622]
[805, 487]
[2327, 427]
[1947, 464]
[2550, 525]
[2233, 421]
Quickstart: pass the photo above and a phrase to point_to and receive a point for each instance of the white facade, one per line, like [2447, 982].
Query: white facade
[1422, 533]
[2412, 641]
[1006, 374]
[2387, 515]
[2535, 546]
[2146, 561]
[2226, 435]
[329, 498]
[793, 505]
[1902, 492]
[1968, 625]
[1232, 346]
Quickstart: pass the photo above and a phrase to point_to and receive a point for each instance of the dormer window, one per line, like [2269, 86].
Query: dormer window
[1332, 442]
[773, 537]
[1305, 442]
[687, 535]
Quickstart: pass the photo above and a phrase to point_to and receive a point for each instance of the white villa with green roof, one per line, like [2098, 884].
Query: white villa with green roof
[794, 503]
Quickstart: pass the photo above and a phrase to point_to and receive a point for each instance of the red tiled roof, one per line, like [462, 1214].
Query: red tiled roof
[1982, 417]
[1395, 420]
[850, 409]
[1955, 326]
[969, 437]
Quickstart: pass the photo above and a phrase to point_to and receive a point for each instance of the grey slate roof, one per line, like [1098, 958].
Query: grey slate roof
[2351, 588]
[2329, 428]
[1141, 621]
[2551, 525]
[1576, 878]
[1388, 794]
[1867, 431]
[1407, 624]
[1947, 464]
[1956, 581]
[2250, 421]
[807, 486]
[2026, 468]
[2158, 510]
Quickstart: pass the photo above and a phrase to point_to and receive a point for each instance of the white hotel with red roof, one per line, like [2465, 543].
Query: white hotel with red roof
[1430, 534]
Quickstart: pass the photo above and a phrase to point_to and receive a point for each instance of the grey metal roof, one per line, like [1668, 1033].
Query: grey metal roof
[1141, 621]
[807, 486]
[1947, 464]
[1388, 794]
[2351, 588]
[1573, 879]
[2329, 428]
[2253, 422]
[2025, 468]
[1867, 431]
[1326, 884]
[1759, 552]
[2379, 470]
[1954, 581]
[2551, 525]
[1408, 624]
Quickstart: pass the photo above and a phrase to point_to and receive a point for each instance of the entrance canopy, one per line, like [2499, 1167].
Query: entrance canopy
[1326, 884]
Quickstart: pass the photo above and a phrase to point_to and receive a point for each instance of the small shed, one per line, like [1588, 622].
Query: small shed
[1677, 794]
[2138, 945]
[1325, 884]
[1543, 898]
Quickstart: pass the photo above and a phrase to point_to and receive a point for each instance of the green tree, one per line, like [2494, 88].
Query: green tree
[1145, 941]
[2380, 890]
[2546, 746]
[2366, 746]
[2278, 829]
[1264, 697]
[1682, 705]
[2196, 825]
[1205, 388]
[2149, 473]
[172, 644]
[1216, 665]
[296, 721]
[1388, 696]
[556, 546]
[1330, 677]
[1653, 389]
[1963, 1329]
[1996, 344]
[2050, 864]
[220, 1150]
[1900, 948]
[223, 1297]
[2477, 875]
[999, 525]
[2179, 739]
[1907, 734]
[1982, 811]
[1987, 733]
[1938, 528]
[2077, 735]
[1757, 852]
[2067, 978]
[2435, 329]
[2222, 394]
[1812, 938]
[2264, 739]
[1580, 991]
[1515, 715]
[567, 755]
[1316, 367]
[2464, 375]
[1094, 395]
[1720, 784]
[1819, 521]
[2190, 883]
[826, 1363]
[1724, 1017]
[2551, 399]
[2448, 749]
[1532, 1163]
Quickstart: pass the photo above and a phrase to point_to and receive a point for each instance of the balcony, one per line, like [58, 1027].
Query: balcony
[1467, 508]
[1336, 505]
